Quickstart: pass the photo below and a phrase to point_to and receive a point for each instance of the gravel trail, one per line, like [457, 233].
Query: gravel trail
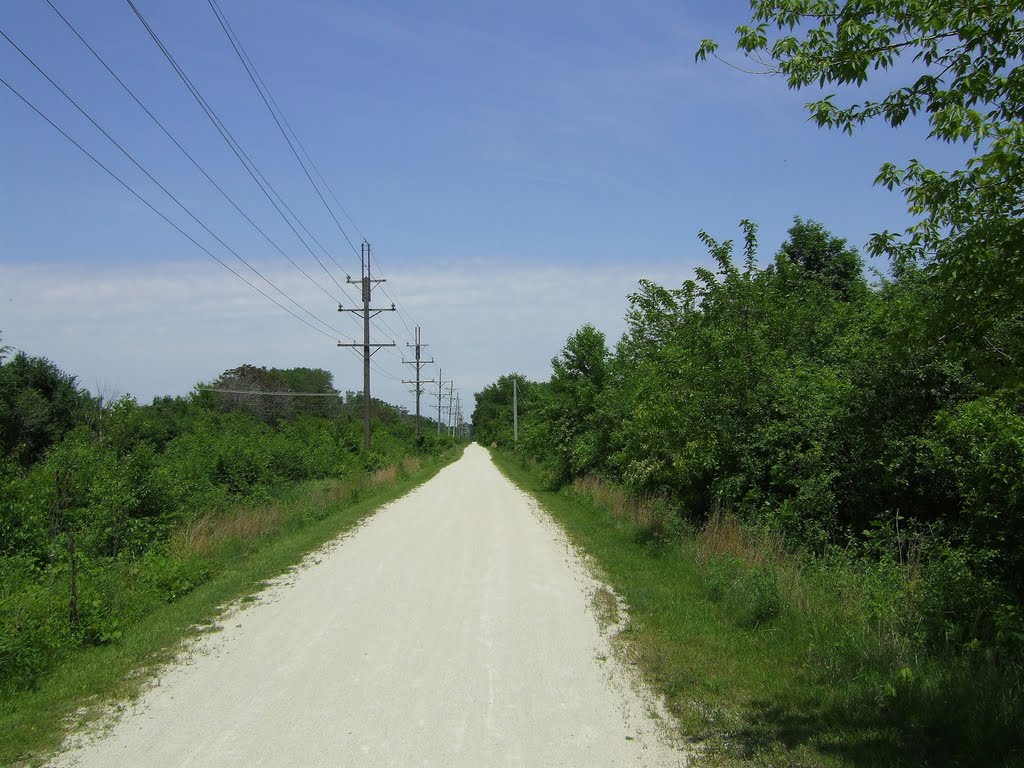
[454, 628]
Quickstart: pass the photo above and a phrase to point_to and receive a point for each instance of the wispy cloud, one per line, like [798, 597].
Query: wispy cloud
[159, 329]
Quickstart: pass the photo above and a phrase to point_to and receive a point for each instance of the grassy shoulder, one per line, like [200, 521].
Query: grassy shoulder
[767, 659]
[237, 551]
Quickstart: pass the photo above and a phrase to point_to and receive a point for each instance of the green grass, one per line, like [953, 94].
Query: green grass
[780, 667]
[241, 556]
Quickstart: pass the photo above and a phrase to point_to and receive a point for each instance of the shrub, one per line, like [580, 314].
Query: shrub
[755, 598]
[34, 630]
[749, 593]
[167, 578]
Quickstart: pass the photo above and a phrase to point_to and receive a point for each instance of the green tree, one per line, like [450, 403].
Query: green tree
[572, 408]
[967, 57]
[310, 380]
[492, 414]
[825, 258]
[39, 404]
[243, 389]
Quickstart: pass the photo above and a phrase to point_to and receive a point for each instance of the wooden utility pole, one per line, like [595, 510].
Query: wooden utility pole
[367, 283]
[440, 389]
[451, 400]
[419, 382]
[515, 413]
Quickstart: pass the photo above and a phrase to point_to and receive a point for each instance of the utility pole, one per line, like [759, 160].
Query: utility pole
[460, 422]
[451, 397]
[367, 283]
[440, 388]
[515, 412]
[419, 363]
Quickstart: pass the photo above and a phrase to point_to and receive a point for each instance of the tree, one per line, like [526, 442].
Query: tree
[244, 384]
[492, 415]
[969, 83]
[825, 258]
[578, 434]
[39, 404]
[313, 380]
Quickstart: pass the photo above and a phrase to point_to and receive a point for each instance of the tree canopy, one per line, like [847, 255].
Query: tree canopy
[960, 63]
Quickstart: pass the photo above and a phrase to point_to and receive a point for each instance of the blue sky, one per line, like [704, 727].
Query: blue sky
[517, 168]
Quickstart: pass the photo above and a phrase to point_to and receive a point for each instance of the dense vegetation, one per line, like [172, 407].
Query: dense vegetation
[108, 510]
[867, 433]
[822, 413]
[800, 398]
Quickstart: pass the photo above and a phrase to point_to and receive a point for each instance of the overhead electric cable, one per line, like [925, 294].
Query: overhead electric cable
[268, 100]
[159, 213]
[184, 151]
[224, 19]
[249, 70]
[239, 152]
[285, 127]
[281, 394]
[150, 176]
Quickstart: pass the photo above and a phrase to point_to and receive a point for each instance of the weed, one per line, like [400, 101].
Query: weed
[385, 476]
[606, 607]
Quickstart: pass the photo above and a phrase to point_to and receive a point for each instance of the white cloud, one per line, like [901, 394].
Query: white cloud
[158, 329]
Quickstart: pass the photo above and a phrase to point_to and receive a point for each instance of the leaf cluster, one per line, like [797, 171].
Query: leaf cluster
[960, 63]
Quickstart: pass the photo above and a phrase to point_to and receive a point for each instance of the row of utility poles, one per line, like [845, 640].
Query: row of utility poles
[454, 407]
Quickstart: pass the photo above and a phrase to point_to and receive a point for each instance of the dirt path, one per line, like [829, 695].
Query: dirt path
[452, 629]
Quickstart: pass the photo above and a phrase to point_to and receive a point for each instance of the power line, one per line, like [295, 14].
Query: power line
[269, 394]
[268, 100]
[261, 181]
[250, 69]
[184, 151]
[150, 176]
[251, 167]
[224, 22]
[159, 213]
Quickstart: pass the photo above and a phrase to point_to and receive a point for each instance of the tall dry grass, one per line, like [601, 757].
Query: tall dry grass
[646, 512]
[218, 529]
[724, 535]
[329, 492]
[213, 531]
[384, 476]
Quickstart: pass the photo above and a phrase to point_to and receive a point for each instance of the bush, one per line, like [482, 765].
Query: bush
[749, 593]
[165, 578]
[755, 599]
[34, 630]
[34, 623]
[979, 445]
[124, 481]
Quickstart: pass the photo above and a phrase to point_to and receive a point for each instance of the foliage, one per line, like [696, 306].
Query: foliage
[838, 415]
[93, 501]
[39, 404]
[576, 428]
[492, 418]
[243, 388]
[965, 76]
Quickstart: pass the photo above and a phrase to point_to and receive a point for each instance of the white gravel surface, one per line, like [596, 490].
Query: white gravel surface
[454, 628]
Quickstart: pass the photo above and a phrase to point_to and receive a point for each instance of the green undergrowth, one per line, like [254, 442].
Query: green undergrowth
[770, 658]
[172, 595]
